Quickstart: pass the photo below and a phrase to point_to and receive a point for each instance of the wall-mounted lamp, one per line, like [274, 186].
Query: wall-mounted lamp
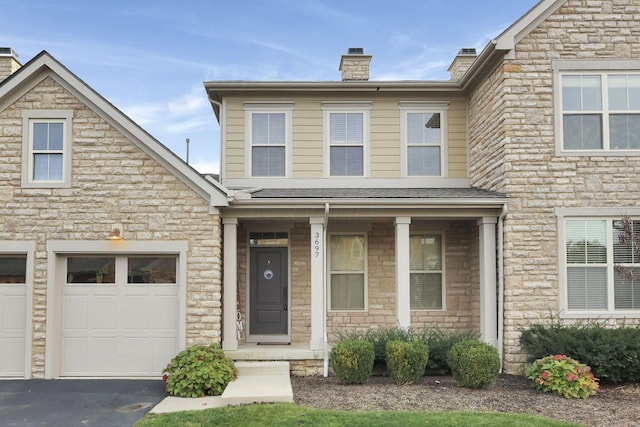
[115, 234]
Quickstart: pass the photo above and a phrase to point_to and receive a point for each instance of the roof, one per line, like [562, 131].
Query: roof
[44, 65]
[376, 193]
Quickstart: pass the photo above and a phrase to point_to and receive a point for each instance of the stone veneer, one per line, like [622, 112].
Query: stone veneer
[113, 182]
[512, 150]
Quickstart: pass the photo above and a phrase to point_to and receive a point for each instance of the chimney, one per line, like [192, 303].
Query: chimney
[461, 63]
[355, 65]
[8, 62]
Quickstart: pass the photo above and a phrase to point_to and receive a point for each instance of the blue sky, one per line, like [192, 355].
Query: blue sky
[149, 58]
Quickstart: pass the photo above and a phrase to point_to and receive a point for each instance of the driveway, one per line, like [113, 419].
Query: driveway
[70, 403]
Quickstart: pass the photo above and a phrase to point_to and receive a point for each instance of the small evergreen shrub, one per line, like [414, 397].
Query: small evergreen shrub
[199, 371]
[473, 363]
[352, 360]
[563, 376]
[612, 353]
[439, 343]
[406, 360]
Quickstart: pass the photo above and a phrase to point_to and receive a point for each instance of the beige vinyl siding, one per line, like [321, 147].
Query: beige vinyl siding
[307, 139]
[457, 134]
[234, 150]
[385, 139]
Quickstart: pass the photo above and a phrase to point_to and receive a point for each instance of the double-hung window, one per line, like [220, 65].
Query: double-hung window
[46, 148]
[599, 111]
[424, 139]
[347, 271]
[426, 272]
[268, 131]
[593, 257]
[346, 139]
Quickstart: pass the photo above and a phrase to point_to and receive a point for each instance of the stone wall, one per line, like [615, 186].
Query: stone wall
[113, 182]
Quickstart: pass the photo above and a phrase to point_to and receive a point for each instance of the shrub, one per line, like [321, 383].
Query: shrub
[563, 376]
[613, 354]
[406, 360]
[439, 343]
[473, 363]
[352, 360]
[199, 371]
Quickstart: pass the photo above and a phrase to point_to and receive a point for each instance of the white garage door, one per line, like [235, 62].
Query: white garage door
[13, 315]
[119, 315]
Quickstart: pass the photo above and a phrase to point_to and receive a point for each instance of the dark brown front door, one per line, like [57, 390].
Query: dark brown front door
[268, 291]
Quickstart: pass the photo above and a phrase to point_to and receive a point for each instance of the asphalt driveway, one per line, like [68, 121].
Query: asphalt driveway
[70, 403]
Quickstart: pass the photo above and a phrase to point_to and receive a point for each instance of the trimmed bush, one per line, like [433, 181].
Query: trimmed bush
[199, 371]
[352, 360]
[473, 363]
[612, 353]
[406, 360]
[439, 343]
[563, 376]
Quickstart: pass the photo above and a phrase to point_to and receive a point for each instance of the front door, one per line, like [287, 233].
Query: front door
[268, 300]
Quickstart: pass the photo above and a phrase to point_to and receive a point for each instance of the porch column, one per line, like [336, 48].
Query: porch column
[230, 283]
[488, 282]
[403, 288]
[317, 283]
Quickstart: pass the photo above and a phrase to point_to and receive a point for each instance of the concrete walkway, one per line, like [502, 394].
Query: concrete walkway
[257, 382]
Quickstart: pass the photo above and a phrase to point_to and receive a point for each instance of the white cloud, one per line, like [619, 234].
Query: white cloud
[206, 166]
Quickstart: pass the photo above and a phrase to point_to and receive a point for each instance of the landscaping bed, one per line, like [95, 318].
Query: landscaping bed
[614, 405]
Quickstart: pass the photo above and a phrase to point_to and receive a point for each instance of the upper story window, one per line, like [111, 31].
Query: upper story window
[268, 140]
[598, 111]
[424, 139]
[346, 139]
[46, 148]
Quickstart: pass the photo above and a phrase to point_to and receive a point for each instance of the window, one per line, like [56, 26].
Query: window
[347, 270]
[155, 269]
[47, 148]
[423, 139]
[268, 131]
[91, 270]
[426, 272]
[593, 250]
[599, 110]
[13, 269]
[108, 270]
[347, 135]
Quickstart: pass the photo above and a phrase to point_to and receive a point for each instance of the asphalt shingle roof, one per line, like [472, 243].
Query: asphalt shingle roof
[375, 193]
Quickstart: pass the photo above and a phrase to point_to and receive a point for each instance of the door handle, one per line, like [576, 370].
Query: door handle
[285, 307]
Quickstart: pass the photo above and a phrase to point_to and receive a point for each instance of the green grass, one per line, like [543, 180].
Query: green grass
[289, 414]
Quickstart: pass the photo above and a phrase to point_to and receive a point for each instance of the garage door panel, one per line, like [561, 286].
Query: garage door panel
[13, 312]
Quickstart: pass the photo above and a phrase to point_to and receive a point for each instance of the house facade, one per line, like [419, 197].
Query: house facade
[486, 202]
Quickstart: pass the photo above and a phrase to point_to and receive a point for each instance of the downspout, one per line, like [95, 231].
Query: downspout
[325, 371]
[503, 214]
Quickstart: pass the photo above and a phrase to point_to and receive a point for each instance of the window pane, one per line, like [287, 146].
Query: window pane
[55, 136]
[586, 242]
[423, 128]
[151, 269]
[347, 253]
[425, 253]
[582, 131]
[423, 161]
[618, 92]
[426, 291]
[587, 288]
[347, 291]
[581, 93]
[91, 270]
[259, 128]
[624, 253]
[40, 136]
[346, 161]
[55, 167]
[276, 129]
[627, 292]
[591, 93]
[338, 128]
[13, 269]
[633, 83]
[268, 161]
[354, 128]
[624, 131]
[40, 167]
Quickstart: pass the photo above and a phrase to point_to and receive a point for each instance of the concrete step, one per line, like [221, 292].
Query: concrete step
[259, 382]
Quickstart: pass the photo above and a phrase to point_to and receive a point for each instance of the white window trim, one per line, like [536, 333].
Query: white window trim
[276, 107]
[343, 107]
[28, 248]
[33, 116]
[407, 107]
[443, 268]
[600, 67]
[564, 214]
[365, 272]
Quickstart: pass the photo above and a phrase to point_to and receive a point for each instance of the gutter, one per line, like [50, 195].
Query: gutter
[325, 371]
[503, 214]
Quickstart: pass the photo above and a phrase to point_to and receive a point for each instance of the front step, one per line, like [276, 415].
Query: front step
[259, 382]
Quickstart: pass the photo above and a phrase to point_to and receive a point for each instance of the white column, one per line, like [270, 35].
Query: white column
[230, 283]
[488, 282]
[317, 283]
[403, 289]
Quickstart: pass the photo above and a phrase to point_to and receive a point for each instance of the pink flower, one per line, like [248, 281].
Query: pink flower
[164, 377]
[571, 377]
[544, 375]
[559, 357]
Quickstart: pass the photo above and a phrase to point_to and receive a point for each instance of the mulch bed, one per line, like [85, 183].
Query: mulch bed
[614, 405]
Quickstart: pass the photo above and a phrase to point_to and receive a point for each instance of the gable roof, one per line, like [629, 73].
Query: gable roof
[44, 65]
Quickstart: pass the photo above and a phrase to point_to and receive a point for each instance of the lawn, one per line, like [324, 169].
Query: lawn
[289, 414]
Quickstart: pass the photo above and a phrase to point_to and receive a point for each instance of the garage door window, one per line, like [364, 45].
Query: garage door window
[152, 269]
[91, 270]
[13, 269]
